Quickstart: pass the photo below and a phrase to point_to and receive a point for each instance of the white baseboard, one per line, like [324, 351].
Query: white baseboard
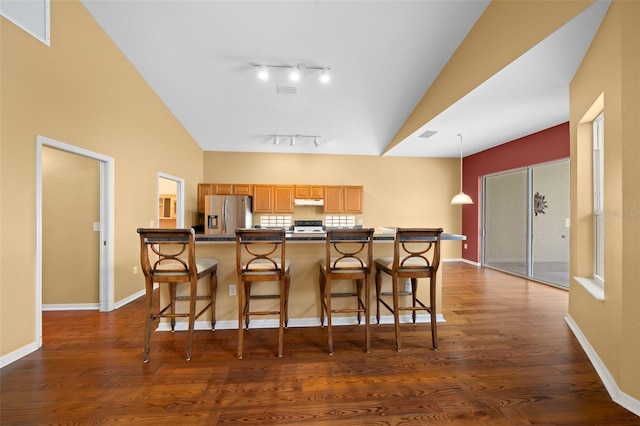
[609, 382]
[471, 262]
[129, 299]
[17, 354]
[71, 307]
[298, 322]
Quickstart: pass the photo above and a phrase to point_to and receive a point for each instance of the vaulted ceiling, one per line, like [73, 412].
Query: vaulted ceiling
[491, 71]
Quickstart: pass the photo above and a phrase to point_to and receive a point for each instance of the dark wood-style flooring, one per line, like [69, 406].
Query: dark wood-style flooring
[506, 357]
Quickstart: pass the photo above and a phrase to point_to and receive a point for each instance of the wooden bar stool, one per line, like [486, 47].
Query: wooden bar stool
[348, 256]
[261, 258]
[168, 257]
[416, 254]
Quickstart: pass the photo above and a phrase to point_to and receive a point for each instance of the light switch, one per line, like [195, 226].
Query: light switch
[96, 226]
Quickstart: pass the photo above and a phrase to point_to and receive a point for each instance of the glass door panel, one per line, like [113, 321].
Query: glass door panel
[550, 223]
[505, 215]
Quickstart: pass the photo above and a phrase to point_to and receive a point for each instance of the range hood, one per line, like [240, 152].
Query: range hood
[308, 202]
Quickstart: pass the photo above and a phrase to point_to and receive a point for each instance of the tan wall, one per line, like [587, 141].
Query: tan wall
[81, 91]
[610, 67]
[70, 206]
[409, 192]
[397, 191]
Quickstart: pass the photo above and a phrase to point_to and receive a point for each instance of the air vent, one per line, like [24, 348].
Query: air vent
[428, 134]
[286, 90]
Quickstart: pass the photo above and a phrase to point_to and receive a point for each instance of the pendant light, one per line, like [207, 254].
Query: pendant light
[461, 198]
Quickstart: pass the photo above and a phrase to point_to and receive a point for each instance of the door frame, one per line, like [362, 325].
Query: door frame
[107, 220]
[179, 197]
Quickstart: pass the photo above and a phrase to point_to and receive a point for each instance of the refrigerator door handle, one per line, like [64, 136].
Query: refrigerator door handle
[225, 214]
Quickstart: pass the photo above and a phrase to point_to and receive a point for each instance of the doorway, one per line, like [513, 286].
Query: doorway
[170, 201]
[104, 227]
[526, 222]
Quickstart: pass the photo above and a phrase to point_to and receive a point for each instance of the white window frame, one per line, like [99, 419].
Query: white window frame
[598, 200]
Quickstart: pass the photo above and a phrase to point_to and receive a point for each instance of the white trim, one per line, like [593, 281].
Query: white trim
[609, 382]
[131, 298]
[470, 262]
[19, 22]
[17, 354]
[591, 286]
[107, 231]
[70, 307]
[299, 322]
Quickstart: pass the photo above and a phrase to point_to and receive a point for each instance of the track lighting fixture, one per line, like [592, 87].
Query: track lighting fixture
[295, 71]
[293, 139]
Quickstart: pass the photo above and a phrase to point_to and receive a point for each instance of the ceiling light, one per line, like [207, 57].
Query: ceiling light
[316, 142]
[325, 77]
[293, 140]
[461, 197]
[263, 73]
[294, 75]
[296, 138]
[428, 134]
[276, 140]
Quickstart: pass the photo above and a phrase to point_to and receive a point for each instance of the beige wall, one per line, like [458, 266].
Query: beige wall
[81, 91]
[397, 192]
[610, 67]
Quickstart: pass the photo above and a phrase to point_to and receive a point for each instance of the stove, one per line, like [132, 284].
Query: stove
[307, 226]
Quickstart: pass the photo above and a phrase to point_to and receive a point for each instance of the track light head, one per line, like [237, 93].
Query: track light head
[325, 77]
[316, 142]
[293, 140]
[294, 74]
[263, 73]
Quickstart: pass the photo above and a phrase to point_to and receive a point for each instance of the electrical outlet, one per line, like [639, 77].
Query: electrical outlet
[465, 246]
[232, 289]
[135, 270]
[407, 285]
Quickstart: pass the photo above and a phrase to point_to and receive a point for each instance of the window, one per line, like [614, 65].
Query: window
[598, 199]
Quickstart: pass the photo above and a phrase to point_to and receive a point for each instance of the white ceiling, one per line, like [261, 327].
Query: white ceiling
[383, 55]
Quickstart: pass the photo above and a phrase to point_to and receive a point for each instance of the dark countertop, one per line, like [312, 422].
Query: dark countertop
[204, 238]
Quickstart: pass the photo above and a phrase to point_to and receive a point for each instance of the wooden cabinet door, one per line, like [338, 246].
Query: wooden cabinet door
[243, 189]
[223, 189]
[353, 196]
[283, 195]
[316, 192]
[204, 189]
[333, 199]
[263, 198]
[302, 191]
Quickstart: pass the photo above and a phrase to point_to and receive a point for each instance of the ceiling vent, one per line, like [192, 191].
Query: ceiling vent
[428, 134]
[286, 90]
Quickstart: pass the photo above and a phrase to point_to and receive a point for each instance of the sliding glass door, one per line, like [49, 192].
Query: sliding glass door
[526, 220]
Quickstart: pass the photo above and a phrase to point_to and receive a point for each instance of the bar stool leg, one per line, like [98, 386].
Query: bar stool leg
[432, 309]
[241, 308]
[149, 322]
[359, 296]
[213, 289]
[367, 315]
[378, 290]
[172, 309]
[192, 314]
[329, 327]
[287, 284]
[396, 313]
[414, 289]
[283, 287]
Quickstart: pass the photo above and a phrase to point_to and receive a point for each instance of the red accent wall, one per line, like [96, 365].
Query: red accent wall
[546, 145]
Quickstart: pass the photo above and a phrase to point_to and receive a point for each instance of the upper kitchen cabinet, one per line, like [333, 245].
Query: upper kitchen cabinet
[263, 198]
[313, 192]
[273, 198]
[283, 199]
[204, 189]
[343, 199]
[233, 189]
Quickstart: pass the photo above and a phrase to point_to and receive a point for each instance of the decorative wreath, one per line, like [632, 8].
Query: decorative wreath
[539, 204]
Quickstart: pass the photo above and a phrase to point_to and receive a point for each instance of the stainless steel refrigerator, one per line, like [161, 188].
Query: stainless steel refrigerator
[224, 213]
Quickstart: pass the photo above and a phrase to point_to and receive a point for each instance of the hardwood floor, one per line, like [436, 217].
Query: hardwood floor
[506, 357]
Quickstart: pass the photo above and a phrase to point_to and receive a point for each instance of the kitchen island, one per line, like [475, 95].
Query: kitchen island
[304, 250]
